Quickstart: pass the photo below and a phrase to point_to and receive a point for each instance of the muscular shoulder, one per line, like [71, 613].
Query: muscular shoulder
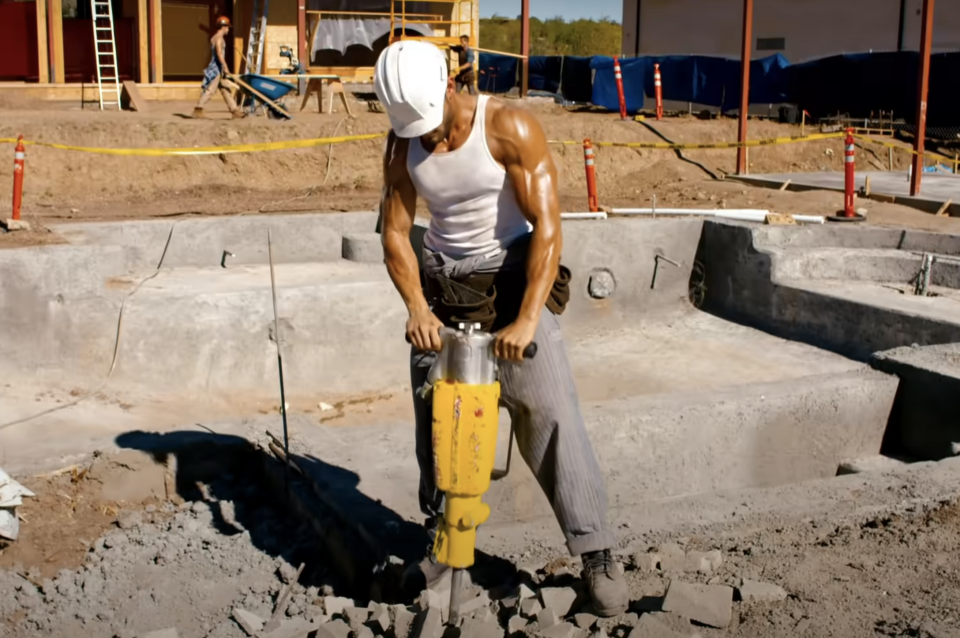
[510, 129]
[395, 158]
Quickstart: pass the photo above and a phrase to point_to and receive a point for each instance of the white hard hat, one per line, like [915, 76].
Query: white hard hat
[410, 80]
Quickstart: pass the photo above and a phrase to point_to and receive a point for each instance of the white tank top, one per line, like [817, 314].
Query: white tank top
[471, 200]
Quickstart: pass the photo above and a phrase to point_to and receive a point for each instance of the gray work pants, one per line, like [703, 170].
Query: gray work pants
[550, 433]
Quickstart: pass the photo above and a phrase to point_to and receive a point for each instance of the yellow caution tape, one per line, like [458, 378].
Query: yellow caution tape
[712, 145]
[907, 149]
[206, 150]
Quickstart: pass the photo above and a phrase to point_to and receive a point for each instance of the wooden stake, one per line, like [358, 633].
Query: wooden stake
[866, 187]
[943, 212]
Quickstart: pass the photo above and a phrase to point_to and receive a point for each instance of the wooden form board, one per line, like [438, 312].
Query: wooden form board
[143, 40]
[137, 103]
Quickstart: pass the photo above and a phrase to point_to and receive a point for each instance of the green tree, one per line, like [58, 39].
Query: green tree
[554, 36]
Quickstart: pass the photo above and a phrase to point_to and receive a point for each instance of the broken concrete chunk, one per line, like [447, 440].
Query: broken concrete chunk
[475, 604]
[250, 623]
[294, 628]
[547, 618]
[516, 624]
[363, 632]
[646, 562]
[584, 621]
[430, 599]
[560, 630]
[380, 621]
[559, 599]
[401, 620]
[509, 605]
[15, 224]
[356, 616]
[525, 592]
[752, 591]
[698, 562]
[163, 633]
[334, 605]
[429, 624]
[706, 604]
[715, 558]
[481, 628]
[877, 463]
[530, 607]
[672, 557]
[334, 629]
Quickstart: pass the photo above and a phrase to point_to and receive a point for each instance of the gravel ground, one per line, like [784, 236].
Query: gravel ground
[189, 565]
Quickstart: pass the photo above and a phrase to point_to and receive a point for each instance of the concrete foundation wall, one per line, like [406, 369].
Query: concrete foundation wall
[196, 329]
[924, 423]
[745, 283]
[665, 446]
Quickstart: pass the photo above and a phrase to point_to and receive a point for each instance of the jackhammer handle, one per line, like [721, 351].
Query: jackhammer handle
[528, 353]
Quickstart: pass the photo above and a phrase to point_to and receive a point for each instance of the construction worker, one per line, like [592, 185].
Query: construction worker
[213, 75]
[465, 60]
[490, 184]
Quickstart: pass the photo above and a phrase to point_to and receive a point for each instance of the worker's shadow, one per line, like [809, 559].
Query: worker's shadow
[344, 538]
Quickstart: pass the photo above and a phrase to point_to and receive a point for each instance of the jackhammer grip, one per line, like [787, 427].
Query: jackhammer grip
[530, 351]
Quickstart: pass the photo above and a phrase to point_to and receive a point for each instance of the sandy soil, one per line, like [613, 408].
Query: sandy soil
[65, 185]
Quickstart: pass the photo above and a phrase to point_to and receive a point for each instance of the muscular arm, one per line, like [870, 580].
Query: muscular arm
[398, 206]
[221, 47]
[519, 143]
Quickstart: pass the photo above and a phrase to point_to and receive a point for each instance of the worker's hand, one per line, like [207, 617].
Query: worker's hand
[513, 340]
[423, 328]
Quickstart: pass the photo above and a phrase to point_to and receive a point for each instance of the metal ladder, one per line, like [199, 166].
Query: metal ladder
[258, 27]
[108, 78]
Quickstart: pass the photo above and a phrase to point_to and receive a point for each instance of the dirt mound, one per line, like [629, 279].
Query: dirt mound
[69, 185]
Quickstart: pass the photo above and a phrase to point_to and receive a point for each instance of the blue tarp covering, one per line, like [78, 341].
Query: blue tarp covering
[852, 84]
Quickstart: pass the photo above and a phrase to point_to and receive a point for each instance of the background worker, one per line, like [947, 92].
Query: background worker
[494, 233]
[466, 57]
[214, 74]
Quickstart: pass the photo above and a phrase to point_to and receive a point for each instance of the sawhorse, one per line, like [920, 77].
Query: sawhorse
[315, 85]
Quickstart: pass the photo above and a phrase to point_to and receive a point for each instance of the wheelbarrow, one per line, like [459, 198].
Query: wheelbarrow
[260, 91]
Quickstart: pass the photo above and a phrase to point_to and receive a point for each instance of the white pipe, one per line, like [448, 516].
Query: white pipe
[600, 215]
[683, 211]
[746, 214]
[809, 219]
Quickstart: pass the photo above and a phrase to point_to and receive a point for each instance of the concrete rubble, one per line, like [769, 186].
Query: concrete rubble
[751, 591]
[707, 604]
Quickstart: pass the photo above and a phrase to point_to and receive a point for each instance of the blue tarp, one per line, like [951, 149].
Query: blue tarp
[857, 85]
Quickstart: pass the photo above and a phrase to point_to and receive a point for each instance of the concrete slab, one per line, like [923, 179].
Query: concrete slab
[936, 188]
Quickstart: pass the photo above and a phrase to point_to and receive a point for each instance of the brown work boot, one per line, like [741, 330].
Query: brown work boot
[239, 115]
[197, 112]
[608, 589]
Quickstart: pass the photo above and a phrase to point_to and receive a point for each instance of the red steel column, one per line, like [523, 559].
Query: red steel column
[926, 41]
[18, 166]
[618, 76]
[850, 195]
[658, 91]
[592, 200]
[524, 47]
[745, 84]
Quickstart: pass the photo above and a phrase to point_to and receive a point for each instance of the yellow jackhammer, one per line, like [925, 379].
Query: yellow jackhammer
[466, 409]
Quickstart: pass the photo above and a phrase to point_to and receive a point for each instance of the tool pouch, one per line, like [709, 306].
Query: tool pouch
[463, 303]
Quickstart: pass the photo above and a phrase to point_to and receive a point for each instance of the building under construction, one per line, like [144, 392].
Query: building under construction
[798, 30]
[47, 47]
